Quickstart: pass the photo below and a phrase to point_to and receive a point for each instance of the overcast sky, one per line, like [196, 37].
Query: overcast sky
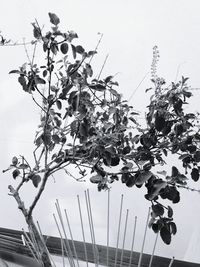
[131, 28]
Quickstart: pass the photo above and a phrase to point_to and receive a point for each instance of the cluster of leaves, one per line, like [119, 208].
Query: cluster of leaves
[85, 123]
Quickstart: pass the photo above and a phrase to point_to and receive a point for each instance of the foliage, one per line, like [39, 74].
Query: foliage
[85, 123]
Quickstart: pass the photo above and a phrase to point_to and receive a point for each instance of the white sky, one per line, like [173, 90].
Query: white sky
[131, 28]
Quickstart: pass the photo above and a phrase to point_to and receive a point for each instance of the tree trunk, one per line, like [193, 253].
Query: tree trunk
[41, 247]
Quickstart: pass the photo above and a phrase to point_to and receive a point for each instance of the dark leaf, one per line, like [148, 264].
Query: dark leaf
[165, 235]
[15, 173]
[14, 161]
[80, 49]
[158, 209]
[175, 171]
[64, 48]
[54, 19]
[73, 51]
[197, 156]
[39, 80]
[15, 71]
[173, 228]
[142, 177]
[36, 179]
[155, 227]
[98, 87]
[96, 179]
[56, 138]
[23, 166]
[91, 53]
[195, 174]
[159, 123]
[115, 161]
[170, 212]
[58, 104]
[126, 150]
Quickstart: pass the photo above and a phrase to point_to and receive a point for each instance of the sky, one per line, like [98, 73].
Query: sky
[130, 30]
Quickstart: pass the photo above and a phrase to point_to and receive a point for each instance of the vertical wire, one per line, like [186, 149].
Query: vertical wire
[124, 238]
[95, 245]
[119, 225]
[83, 234]
[154, 247]
[27, 241]
[63, 227]
[91, 226]
[171, 262]
[73, 245]
[143, 243]
[108, 226]
[35, 244]
[42, 238]
[133, 240]
[63, 255]
[63, 243]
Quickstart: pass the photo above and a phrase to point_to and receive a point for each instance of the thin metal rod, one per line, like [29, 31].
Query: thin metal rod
[154, 247]
[143, 243]
[133, 240]
[63, 227]
[83, 234]
[124, 238]
[63, 254]
[42, 238]
[171, 262]
[104, 63]
[35, 244]
[108, 226]
[92, 228]
[118, 233]
[73, 245]
[27, 241]
[67, 253]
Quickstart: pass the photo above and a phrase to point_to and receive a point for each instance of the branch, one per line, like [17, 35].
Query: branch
[41, 189]
[20, 203]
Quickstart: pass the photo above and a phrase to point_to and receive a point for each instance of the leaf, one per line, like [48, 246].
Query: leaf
[15, 173]
[98, 87]
[173, 228]
[91, 53]
[64, 48]
[15, 72]
[39, 80]
[54, 18]
[197, 156]
[195, 174]
[159, 123]
[36, 179]
[14, 161]
[165, 235]
[56, 138]
[170, 212]
[80, 49]
[96, 179]
[58, 104]
[23, 166]
[73, 51]
[158, 209]
[143, 177]
[175, 171]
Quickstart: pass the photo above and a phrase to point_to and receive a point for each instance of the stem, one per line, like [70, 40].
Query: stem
[41, 189]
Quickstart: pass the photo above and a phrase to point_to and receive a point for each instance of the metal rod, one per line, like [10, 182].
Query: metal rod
[119, 225]
[171, 262]
[108, 226]
[65, 235]
[67, 252]
[133, 241]
[42, 238]
[124, 238]
[154, 247]
[91, 226]
[83, 234]
[143, 243]
[73, 245]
